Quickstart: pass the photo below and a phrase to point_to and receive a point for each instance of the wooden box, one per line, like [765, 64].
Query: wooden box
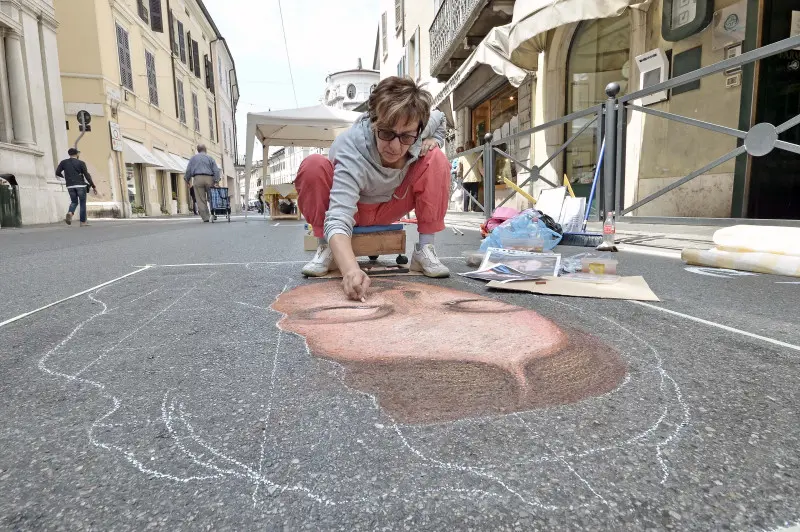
[381, 243]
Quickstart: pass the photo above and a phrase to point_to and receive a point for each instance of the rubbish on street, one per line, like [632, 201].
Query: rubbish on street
[599, 265]
[609, 233]
[500, 273]
[634, 288]
[532, 244]
[584, 240]
[474, 258]
[531, 264]
[529, 224]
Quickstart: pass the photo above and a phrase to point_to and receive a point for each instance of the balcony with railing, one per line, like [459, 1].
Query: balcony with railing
[459, 26]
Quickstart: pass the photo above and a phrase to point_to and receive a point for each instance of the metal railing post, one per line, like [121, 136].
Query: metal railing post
[488, 176]
[610, 155]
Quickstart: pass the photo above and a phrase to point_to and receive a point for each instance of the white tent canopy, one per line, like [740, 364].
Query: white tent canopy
[533, 18]
[312, 127]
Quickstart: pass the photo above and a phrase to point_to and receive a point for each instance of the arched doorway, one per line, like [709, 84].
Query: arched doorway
[599, 54]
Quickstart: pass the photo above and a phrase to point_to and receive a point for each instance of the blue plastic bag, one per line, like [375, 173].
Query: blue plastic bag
[526, 224]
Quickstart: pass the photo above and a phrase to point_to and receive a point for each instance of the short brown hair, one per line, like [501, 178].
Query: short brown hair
[395, 99]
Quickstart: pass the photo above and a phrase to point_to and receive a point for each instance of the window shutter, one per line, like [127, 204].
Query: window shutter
[209, 74]
[172, 42]
[182, 42]
[156, 16]
[385, 38]
[152, 83]
[142, 11]
[398, 15]
[196, 111]
[189, 45]
[196, 57]
[417, 63]
[181, 103]
[211, 123]
[124, 53]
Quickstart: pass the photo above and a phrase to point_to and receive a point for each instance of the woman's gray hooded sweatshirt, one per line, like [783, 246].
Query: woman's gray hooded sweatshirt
[358, 175]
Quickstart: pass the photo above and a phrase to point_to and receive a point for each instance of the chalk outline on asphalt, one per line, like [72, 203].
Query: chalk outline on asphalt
[94, 288]
[261, 479]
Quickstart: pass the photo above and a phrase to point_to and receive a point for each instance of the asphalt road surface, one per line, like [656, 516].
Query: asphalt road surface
[171, 399]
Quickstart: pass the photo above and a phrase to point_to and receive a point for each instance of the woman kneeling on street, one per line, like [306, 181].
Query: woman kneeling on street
[386, 165]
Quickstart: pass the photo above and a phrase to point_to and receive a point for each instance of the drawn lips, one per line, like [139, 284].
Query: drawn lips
[430, 353]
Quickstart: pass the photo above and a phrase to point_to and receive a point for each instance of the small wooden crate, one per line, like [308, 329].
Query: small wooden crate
[379, 243]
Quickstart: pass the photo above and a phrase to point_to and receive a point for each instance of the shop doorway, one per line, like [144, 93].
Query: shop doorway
[599, 54]
[775, 177]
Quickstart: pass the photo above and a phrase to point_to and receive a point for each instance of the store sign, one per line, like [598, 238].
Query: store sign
[116, 136]
[729, 25]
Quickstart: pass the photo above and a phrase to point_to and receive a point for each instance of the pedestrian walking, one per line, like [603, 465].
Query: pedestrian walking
[202, 173]
[77, 178]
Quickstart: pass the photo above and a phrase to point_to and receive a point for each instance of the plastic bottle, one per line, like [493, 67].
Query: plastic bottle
[609, 232]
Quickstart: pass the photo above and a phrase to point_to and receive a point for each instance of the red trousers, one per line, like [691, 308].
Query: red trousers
[425, 190]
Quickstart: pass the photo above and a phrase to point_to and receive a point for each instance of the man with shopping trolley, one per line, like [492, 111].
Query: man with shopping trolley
[202, 173]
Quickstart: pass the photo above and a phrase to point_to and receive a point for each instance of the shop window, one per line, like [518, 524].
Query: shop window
[498, 115]
[599, 55]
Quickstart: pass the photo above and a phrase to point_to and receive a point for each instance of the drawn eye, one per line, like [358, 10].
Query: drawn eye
[346, 313]
[481, 305]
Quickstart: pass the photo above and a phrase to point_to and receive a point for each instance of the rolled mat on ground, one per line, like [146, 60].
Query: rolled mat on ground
[761, 249]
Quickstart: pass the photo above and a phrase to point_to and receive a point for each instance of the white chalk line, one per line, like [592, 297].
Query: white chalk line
[84, 292]
[472, 470]
[664, 376]
[563, 461]
[653, 252]
[719, 326]
[130, 457]
[268, 410]
[142, 326]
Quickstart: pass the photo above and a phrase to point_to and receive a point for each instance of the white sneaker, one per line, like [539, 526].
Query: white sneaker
[425, 260]
[321, 262]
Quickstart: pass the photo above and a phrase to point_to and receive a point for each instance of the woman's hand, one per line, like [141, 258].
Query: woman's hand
[355, 283]
[427, 145]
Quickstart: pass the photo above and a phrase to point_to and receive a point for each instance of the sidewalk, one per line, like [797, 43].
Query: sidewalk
[664, 236]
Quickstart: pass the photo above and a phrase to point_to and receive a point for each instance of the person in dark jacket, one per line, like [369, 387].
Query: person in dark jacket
[74, 172]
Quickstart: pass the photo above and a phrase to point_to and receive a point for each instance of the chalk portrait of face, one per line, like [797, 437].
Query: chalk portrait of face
[432, 354]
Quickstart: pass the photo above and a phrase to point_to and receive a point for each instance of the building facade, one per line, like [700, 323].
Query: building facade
[283, 164]
[227, 98]
[570, 65]
[349, 89]
[428, 42]
[33, 136]
[146, 71]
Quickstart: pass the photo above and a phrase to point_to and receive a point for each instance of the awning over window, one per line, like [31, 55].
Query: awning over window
[492, 51]
[169, 165]
[534, 18]
[135, 153]
[180, 162]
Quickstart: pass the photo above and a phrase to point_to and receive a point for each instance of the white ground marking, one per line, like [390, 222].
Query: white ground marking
[787, 282]
[718, 272]
[92, 289]
[720, 326]
[655, 252]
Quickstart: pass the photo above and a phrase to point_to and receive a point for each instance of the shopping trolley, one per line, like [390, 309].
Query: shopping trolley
[219, 202]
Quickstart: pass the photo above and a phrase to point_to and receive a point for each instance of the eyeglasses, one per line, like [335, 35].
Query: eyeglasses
[387, 135]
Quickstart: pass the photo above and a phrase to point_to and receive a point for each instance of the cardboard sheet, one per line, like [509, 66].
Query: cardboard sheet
[635, 288]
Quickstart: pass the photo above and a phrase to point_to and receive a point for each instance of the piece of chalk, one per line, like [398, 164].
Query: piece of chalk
[363, 300]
